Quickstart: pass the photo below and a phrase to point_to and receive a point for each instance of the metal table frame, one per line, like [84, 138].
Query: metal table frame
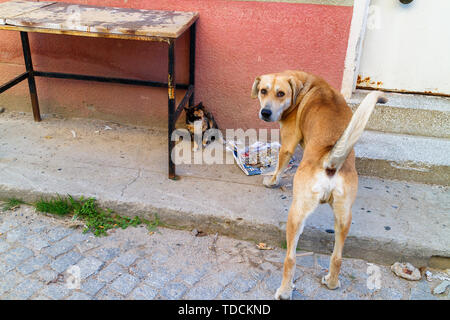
[173, 110]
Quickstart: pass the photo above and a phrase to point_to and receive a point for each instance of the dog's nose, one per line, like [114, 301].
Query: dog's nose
[266, 113]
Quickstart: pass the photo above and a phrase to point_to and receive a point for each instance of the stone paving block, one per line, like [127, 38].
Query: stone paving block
[25, 290]
[5, 268]
[77, 237]
[109, 294]
[9, 281]
[111, 272]
[92, 286]
[87, 245]
[422, 291]
[158, 279]
[8, 225]
[56, 291]
[244, 283]
[193, 277]
[33, 264]
[4, 246]
[89, 266]
[144, 293]
[388, 294]
[307, 285]
[65, 261]
[204, 290]
[46, 275]
[296, 295]
[106, 254]
[273, 282]
[59, 248]
[79, 296]
[230, 293]
[124, 284]
[159, 257]
[39, 226]
[225, 277]
[36, 242]
[324, 293]
[126, 259]
[323, 261]
[17, 234]
[173, 291]
[15, 256]
[141, 269]
[306, 261]
[57, 233]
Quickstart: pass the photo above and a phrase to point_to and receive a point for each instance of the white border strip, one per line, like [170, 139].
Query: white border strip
[354, 48]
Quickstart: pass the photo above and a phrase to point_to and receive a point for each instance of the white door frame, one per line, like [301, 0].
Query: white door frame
[354, 47]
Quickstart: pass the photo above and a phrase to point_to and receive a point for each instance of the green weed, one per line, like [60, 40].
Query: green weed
[97, 220]
[12, 203]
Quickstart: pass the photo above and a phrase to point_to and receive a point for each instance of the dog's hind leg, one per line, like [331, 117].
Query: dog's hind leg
[342, 221]
[302, 206]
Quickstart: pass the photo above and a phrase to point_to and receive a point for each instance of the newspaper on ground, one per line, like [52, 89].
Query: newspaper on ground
[260, 158]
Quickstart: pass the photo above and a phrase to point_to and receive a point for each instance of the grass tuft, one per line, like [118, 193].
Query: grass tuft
[97, 220]
[59, 206]
[12, 203]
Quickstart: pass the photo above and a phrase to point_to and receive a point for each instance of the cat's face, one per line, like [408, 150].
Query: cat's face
[195, 114]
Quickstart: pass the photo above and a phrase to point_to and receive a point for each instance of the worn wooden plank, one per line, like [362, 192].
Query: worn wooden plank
[11, 9]
[106, 20]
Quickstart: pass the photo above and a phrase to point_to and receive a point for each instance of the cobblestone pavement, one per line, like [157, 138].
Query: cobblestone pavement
[37, 253]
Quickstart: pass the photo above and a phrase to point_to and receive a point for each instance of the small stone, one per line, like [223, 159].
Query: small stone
[2, 110]
[440, 289]
[406, 271]
[387, 228]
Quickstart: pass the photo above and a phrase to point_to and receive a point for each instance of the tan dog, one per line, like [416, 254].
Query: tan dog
[312, 113]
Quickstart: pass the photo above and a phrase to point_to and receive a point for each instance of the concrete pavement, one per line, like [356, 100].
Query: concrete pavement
[125, 168]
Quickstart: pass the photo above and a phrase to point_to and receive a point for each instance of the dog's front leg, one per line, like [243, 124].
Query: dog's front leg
[286, 152]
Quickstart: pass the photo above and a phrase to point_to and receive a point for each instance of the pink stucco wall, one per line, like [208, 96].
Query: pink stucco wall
[236, 41]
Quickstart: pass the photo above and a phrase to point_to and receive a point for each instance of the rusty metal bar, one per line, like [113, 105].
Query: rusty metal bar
[13, 82]
[171, 105]
[183, 102]
[30, 71]
[71, 76]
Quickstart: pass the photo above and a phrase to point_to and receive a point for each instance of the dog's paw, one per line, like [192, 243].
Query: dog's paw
[270, 182]
[283, 295]
[330, 285]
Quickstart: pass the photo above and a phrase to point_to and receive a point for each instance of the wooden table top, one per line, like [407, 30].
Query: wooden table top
[74, 19]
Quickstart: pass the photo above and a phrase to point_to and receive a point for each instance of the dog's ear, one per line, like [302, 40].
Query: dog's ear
[296, 87]
[255, 88]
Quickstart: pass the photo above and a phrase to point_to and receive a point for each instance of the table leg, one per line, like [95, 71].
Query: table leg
[171, 93]
[192, 61]
[31, 81]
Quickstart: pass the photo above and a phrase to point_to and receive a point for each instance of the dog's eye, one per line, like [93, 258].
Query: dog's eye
[263, 91]
[280, 94]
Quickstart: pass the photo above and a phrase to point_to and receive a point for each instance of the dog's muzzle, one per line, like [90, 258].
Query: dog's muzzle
[266, 114]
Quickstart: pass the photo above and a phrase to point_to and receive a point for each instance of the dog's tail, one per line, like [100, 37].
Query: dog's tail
[354, 130]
